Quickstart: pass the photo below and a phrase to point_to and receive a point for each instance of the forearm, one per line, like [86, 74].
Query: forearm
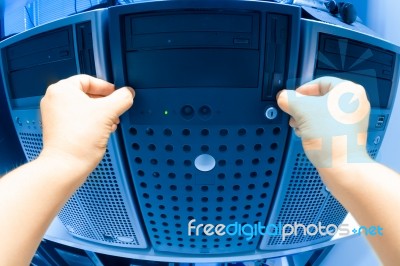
[370, 192]
[30, 197]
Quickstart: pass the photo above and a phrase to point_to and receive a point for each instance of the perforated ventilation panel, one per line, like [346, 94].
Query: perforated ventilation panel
[305, 201]
[172, 191]
[102, 209]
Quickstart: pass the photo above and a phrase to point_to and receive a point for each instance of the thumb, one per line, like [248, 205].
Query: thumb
[290, 101]
[119, 101]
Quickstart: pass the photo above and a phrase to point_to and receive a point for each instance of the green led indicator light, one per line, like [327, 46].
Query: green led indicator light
[166, 112]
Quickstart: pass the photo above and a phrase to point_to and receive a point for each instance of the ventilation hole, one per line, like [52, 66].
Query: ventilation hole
[247, 207]
[172, 175]
[189, 188]
[145, 195]
[220, 188]
[204, 209]
[276, 131]
[268, 173]
[271, 160]
[153, 161]
[235, 198]
[236, 187]
[170, 162]
[259, 131]
[204, 199]
[148, 205]
[186, 148]
[161, 207]
[188, 176]
[149, 131]
[245, 216]
[204, 188]
[160, 197]
[169, 148]
[189, 199]
[156, 174]
[223, 132]
[135, 146]
[187, 162]
[266, 184]
[157, 186]
[263, 195]
[232, 217]
[253, 174]
[143, 185]
[133, 131]
[140, 173]
[174, 198]
[221, 175]
[167, 132]
[138, 160]
[186, 132]
[222, 148]
[233, 208]
[242, 132]
[219, 209]
[204, 218]
[218, 218]
[274, 146]
[222, 163]
[251, 186]
[151, 147]
[257, 147]
[258, 214]
[249, 197]
[237, 175]
[205, 132]
[255, 161]
[239, 162]
[152, 221]
[175, 208]
[240, 148]
[204, 148]
[261, 205]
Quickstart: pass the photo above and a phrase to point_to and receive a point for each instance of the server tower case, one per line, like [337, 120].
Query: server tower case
[205, 139]
[329, 50]
[103, 209]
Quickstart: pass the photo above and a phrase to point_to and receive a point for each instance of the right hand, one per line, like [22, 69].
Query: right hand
[331, 116]
[78, 116]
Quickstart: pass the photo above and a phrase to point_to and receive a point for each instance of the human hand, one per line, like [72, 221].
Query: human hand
[331, 116]
[78, 116]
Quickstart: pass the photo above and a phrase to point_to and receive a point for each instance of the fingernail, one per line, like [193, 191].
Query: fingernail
[130, 89]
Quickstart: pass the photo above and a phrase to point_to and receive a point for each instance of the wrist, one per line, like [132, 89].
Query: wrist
[63, 162]
[345, 172]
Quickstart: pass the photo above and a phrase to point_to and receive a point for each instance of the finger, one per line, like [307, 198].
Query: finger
[118, 102]
[91, 85]
[297, 132]
[289, 101]
[292, 123]
[319, 86]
